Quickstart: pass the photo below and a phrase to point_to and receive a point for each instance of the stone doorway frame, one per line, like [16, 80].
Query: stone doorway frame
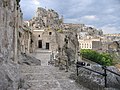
[47, 45]
[39, 43]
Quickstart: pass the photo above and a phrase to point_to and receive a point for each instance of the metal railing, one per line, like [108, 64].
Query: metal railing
[82, 65]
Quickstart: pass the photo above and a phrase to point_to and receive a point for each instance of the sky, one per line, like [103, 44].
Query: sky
[101, 14]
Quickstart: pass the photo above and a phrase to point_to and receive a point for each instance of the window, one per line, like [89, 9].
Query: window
[87, 45]
[38, 35]
[50, 33]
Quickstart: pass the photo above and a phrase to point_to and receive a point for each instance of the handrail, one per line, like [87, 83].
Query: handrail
[103, 74]
[91, 70]
[111, 71]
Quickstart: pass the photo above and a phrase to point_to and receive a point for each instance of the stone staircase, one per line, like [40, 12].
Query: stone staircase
[47, 77]
[39, 77]
[43, 55]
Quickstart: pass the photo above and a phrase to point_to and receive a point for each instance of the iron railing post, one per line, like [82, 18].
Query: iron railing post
[105, 75]
[77, 69]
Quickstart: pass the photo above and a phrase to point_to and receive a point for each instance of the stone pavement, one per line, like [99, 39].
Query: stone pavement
[43, 55]
[47, 77]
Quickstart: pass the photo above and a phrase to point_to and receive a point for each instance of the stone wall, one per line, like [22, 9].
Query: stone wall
[9, 23]
[25, 40]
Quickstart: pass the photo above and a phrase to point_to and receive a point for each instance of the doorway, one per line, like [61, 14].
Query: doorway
[47, 45]
[40, 44]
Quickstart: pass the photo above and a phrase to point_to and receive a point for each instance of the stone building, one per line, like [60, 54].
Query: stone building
[89, 38]
[108, 40]
[94, 44]
[50, 33]
[89, 31]
[44, 25]
[45, 39]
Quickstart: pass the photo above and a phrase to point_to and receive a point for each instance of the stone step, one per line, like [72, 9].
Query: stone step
[37, 69]
[48, 78]
[43, 55]
[38, 76]
[42, 51]
[68, 84]
[46, 84]
[34, 88]
[55, 85]
[44, 76]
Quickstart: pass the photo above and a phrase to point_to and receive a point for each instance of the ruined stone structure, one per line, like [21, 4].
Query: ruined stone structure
[45, 18]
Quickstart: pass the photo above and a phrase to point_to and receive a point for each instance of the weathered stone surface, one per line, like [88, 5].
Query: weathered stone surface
[9, 69]
[28, 60]
[95, 81]
[47, 77]
[9, 76]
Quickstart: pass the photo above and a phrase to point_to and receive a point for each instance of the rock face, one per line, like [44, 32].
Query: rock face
[10, 17]
[68, 45]
[45, 18]
[95, 81]
[28, 60]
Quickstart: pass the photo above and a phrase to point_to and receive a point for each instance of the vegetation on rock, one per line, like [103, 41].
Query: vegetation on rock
[60, 30]
[100, 58]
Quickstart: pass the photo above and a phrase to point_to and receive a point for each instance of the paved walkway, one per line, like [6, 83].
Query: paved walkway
[47, 77]
[43, 55]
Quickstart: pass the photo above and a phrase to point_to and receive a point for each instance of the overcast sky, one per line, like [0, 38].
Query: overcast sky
[102, 14]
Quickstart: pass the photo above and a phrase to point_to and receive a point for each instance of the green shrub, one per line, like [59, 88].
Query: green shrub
[100, 58]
